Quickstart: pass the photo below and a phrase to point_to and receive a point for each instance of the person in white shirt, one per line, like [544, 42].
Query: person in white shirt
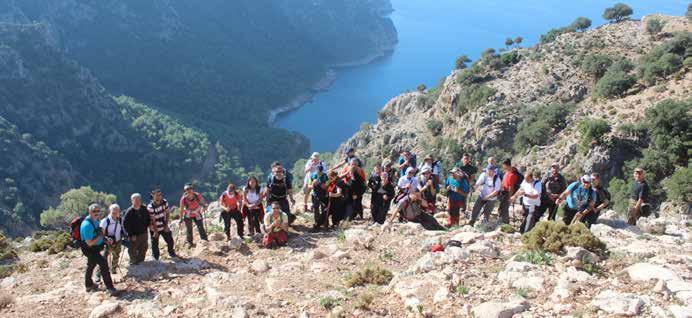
[310, 170]
[530, 192]
[406, 183]
[490, 185]
[113, 234]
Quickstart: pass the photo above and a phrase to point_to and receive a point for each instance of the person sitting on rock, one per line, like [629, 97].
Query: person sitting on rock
[160, 220]
[252, 205]
[457, 186]
[113, 234]
[406, 184]
[192, 205]
[230, 202]
[136, 222]
[92, 240]
[412, 208]
[382, 196]
[530, 191]
[490, 186]
[580, 199]
[428, 187]
[320, 201]
[275, 227]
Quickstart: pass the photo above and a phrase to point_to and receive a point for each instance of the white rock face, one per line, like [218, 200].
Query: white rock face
[259, 266]
[616, 303]
[522, 275]
[498, 310]
[647, 271]
[467, 237]
[680, 311]
[485, 248]
[104, 310]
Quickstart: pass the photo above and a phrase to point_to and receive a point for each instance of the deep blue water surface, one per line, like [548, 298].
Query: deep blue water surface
[432, 33]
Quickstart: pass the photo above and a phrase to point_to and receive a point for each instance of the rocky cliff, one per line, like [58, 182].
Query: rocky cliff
[479, 109]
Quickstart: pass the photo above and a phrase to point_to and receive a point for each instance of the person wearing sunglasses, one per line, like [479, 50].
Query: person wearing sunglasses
[579, 197]
[93, 243]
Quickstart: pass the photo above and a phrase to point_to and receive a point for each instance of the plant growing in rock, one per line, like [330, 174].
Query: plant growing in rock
[53, 242]
[654, 26]
[7, 252]
[554, 236]
[581, 24]
[364, 300]
[592, 131]
[329, 302]
[369, 275]
[618, 12]
[665, 59]
[536, 257]
[462, 290]
[461, 61]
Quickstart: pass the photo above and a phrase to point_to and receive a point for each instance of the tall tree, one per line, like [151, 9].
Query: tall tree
[617, 13]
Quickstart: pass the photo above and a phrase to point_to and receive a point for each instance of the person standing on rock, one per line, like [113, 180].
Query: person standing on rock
[602, 200]
[350, 154]
[160, 218]
[553, 185]
[275, 227]
[382, 195]
[510, 184]
[457, 186]
[412, 208]
[113, 234]
[580, 198]
[356, 182]
[467, 167]
[230, 202]
[136, 222]
[279, 189]
[639, 201]
[192, 205]
[428, 187]
[490, 187]
[92, 239]
[310, 170]
[530, 190]
[338, 191]
[252, 205]
[318, 192]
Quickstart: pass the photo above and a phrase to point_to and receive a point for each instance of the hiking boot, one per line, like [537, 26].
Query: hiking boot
[92, 288]
[113, 292]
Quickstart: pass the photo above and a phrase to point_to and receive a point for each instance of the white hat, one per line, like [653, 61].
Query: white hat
[315, 155]
[410, 169]
[586, 178]
[425, 169]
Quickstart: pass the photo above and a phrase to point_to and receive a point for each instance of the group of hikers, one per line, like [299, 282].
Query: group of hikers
[336, 195]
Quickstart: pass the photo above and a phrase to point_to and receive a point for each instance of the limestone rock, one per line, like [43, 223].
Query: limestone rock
[259, 266]
[617, 303]
[467, 237]
[680, 311]
[498, 310]
[485, 248]
[580, 253]
[217, 236]
[647, 271]
[105, 310]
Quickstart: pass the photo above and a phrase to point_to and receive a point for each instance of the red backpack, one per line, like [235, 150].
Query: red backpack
[75, 225]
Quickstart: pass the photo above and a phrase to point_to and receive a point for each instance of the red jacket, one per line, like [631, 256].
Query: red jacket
[512, 180]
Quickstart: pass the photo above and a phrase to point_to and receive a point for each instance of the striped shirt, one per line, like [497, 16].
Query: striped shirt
[158, 213]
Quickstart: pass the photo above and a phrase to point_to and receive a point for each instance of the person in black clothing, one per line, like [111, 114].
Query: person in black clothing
[467, 167]
[357, 187]
[382, 196]
[338, 193]
[318, 193]
[280, 190]
[639, 201]
[428, 187]
[91, 244]
[136, 222]
[553, 185]
[160, 218]
[602, 200]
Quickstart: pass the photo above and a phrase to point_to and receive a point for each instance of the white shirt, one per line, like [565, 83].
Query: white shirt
[489, 185]
[252, 196]
[530, 189]
[405, 181]
[313, 170]
[112, 228]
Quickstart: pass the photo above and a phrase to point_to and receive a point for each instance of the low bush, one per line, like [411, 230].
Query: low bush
[592, 131]
[679, 185]
[369, 275]
[53, 243]
[364, 300]
[665, 59]
[537, 257]
[473, 96]
[7, 252]
[329, 302]
[539, 124]
[554, 236]
[614, 83]
[434, 126]
[595, 65]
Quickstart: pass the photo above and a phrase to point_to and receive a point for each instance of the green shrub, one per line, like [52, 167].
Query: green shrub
[617, 13]
[654, 26]
[369, 275]
[434, 126]
[554, 236]
[539, 124]
[534, 257]
[592, 131]
[581, 24]
[510, 58]
[421, 88]
[72, 203]
[6, 270]
[329, 303]
[509, 42]
[554, 33]
[7, 252]
[595, 65]
[688, 13]
[53, 243]
[462, 290]
[364, 300]
[613, 83]
[461, 61]
[473, 96]
[506, 228]
[679, 185]
[665, 59]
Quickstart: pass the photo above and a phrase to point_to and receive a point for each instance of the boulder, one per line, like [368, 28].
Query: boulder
[217, 236]
[442, 295]
[259, 266]
[456, 254]
[239, 312]
[498, 310]
[522, 275]
[235, 243]
[616, 303]
[680, 311]
[652, 225]
[467, 237]
[359, 238]
[647, 271]
[341, 255]
[485, 248]
[580, 253]
[104, 310]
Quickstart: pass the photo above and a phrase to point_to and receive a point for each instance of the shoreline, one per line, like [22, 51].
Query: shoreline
[325, 83]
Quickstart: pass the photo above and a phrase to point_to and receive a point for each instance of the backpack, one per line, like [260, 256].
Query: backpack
[75, 227]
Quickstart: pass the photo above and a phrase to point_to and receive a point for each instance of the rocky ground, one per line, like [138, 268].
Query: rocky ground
[646, 272]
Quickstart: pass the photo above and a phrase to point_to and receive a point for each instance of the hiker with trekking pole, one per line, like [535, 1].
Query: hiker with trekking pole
[192, 208]
[113, 233]
[87, 234]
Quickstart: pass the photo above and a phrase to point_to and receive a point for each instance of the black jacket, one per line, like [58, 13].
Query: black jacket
[136, 222]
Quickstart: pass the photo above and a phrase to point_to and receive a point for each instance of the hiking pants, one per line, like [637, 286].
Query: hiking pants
[357, 207]
[138, 248]
[337, 210]
[285, 207]
[94, 257]
[505, 204]
[168, 238]
[529, 220]
[547, 206]
[486, 205]
[591, 218]
[379, 209]
[455, 209]
[569, 214]
[239, 224]
[113, 252]
[279, 238]
[319, 212]
[428, 222]
[200, 228]
[254, 219]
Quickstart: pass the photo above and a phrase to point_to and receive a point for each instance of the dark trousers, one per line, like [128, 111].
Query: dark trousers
[569, 214]
[530, 218]
[337, 208]
[591, 218]
[237, 217]
[285, 207]
[486, 206]
[547, 206]
[253, 220]
[200, 228]
[168, 238]
[379, 209]
[94, 257]
[357, 207]
[503, 210]
[138, 248]
[319, 212]
[428, 222]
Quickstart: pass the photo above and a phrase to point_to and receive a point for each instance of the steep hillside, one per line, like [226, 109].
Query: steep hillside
[527, 103]
[218, 65]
